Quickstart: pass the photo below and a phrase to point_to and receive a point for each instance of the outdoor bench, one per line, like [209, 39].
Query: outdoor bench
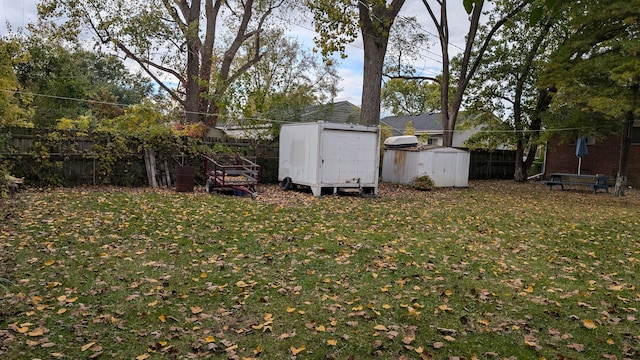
[595, 182]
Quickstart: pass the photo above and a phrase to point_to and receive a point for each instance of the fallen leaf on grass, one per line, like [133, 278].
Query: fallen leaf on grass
[589, 324]
[37, 332]
[86, 347]
[297, 350]
[577, 347]
[196, 310]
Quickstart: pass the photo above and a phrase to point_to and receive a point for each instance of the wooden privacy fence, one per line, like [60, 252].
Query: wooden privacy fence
[45, 157]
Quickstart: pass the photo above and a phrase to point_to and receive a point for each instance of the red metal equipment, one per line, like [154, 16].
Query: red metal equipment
[231, 172]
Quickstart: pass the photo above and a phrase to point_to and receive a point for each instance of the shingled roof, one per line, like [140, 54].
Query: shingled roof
[422, 123]
[339, 112]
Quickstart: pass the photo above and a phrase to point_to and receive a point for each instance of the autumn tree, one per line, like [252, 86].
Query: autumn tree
[287, 80]
[11, 114]
[504, 93]
[596, 71]
[406, 91]
[194, 43]
[470, 60]
[338, 23]
[65, 80]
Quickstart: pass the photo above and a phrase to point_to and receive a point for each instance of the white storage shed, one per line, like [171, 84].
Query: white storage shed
[446, 166]
[329, 157]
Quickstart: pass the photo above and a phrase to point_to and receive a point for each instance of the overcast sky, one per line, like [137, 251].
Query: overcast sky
[17, 13]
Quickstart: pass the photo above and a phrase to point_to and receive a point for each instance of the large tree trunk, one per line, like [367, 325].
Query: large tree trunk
[372, 82]
[375, 22]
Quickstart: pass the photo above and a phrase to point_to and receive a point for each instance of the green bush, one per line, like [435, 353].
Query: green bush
[422, 182]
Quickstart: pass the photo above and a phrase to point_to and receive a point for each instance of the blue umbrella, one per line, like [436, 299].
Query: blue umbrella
[581, 150]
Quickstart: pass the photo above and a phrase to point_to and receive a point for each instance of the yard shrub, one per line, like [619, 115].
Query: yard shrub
[422, 182]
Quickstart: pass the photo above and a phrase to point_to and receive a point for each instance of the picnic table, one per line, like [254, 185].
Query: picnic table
[595, 182]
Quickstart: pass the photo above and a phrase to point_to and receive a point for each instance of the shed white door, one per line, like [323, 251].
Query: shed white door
[348, 156]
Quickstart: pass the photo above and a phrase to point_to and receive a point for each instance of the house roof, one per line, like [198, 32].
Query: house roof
[339, 112]
[429, 123]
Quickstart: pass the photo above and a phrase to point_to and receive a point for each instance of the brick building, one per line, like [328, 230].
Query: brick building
[603, 157]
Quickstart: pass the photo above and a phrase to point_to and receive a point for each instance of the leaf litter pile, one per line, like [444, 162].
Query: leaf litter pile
[496, 271]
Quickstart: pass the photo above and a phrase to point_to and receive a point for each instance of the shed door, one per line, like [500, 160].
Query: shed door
[348, 155]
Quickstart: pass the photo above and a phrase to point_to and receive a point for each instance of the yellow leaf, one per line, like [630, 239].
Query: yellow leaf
[61, 298]
[72, 300]
[380, 328]
[196, 310]
[57, 355]
[37, 332]
[86, 347]
[529, 289]
[589, 324]
[153, 303]
[142, 357]
[49, 262]
[386, 306]
[610, 341]
[448, 292]
[616, 287]
[23, 329]
[419, 349]
[163, 318]
[332, 342]
[210, 339]
[320, 328]
[297, 350]
[450, 338]
[375, 275]
[62, 311]
[291, 309]
[484, 322]
[257, 350]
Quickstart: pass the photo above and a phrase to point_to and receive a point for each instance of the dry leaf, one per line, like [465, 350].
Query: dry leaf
[380, 328]
[196, 310]
[589, 324]
[297, 350]
[86, 347]
[37, 332]
[332, 342]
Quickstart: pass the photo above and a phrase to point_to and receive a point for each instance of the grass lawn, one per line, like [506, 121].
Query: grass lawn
[498, 270]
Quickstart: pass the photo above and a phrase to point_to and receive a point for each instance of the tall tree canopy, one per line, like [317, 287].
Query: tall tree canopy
[504, 92]
[596, 71]
[288, 79]
[64, 80]
[338, 22]
[194, 43]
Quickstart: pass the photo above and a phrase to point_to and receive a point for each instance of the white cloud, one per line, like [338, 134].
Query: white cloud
[17, 14]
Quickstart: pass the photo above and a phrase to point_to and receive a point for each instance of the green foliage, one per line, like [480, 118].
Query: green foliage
[66, 81]
[596, 70]
[410, 97]
[11, 114]
[422, 182]
[409, 129]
